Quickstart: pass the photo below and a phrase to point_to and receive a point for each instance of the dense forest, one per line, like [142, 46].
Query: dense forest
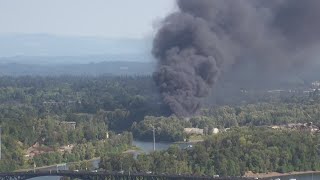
[230, 153]
[35, 110]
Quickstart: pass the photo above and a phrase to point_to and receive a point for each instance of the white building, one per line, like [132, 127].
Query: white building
[193, 131]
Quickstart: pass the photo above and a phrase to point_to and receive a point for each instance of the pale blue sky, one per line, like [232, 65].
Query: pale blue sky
[100, 18]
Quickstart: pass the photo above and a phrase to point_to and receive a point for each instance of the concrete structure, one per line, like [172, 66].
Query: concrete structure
[215, 131]
[193, 131]
[305, 127]
[102, 175]
[316, 84]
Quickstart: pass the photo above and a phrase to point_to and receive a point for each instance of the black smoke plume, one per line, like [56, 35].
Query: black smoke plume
[248, 40]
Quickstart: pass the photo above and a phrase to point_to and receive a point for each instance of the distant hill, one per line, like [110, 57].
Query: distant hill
[91, 69]
[43, 45]
[43, 54]
[43, 60]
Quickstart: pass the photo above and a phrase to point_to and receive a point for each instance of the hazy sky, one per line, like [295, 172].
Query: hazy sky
[107, 18]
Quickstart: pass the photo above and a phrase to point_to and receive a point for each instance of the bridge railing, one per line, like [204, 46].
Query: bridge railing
[68, 173]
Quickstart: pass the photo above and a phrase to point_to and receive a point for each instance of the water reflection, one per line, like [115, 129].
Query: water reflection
[147, 147]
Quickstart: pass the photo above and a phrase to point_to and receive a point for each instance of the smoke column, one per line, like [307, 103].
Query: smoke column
[209, 39]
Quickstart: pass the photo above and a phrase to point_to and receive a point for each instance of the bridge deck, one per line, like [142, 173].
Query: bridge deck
[102, 175]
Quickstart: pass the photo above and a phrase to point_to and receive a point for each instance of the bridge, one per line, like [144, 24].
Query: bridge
[102, 175]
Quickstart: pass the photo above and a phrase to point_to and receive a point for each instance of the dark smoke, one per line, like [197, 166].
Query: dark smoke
[246, 40]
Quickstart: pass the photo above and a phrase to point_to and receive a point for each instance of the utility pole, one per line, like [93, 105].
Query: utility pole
[154, 139]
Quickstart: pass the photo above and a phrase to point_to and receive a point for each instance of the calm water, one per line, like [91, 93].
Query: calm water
[147, 147]
[46, 178]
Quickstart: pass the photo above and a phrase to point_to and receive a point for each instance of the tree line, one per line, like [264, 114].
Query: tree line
[33, 108]
[230, 153]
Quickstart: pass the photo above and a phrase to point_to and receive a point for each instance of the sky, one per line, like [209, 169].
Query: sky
[96, 18]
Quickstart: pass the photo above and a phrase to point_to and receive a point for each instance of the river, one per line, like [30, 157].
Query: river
[147, 147]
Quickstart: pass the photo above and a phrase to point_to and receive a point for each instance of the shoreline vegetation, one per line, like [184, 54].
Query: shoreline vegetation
[131, 150]
[276, 174]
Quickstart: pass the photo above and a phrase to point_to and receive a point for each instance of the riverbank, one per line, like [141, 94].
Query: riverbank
[276, 174]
